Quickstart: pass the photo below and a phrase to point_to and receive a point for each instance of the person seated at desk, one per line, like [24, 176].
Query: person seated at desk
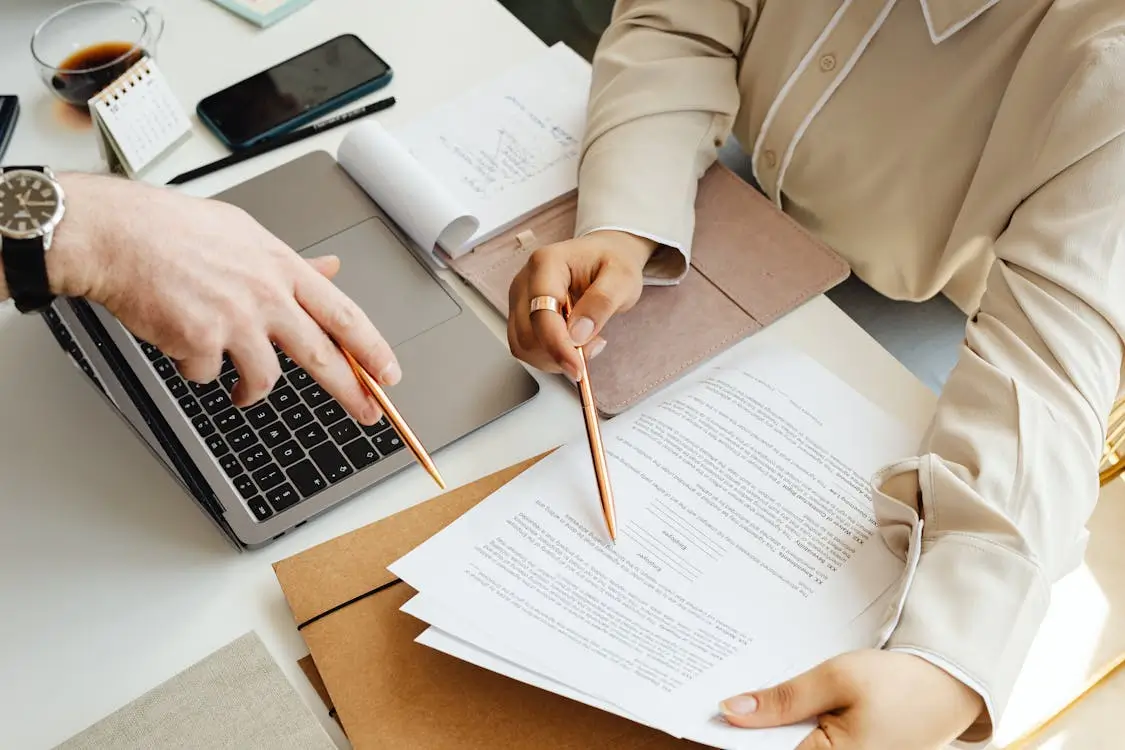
[198, 278]
[974, 149]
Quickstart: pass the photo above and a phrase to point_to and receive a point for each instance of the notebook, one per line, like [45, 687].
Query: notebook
[137, 119]
[483, 181]
[235, 699]
[262, 13]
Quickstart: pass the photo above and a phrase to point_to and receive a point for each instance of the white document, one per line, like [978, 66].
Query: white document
[746, 537]
[483, 162]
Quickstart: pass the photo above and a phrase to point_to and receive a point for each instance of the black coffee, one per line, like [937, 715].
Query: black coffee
[89, 70]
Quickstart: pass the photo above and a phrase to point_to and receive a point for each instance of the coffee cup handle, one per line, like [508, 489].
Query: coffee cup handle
[156, 25]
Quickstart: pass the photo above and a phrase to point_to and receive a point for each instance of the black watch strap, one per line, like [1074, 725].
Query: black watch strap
[25, 271]
[25, 267]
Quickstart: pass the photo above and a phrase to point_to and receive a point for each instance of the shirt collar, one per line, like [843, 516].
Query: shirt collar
[946, 17]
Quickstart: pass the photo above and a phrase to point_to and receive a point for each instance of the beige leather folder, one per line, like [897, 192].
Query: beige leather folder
[751, 264]
[391, 693]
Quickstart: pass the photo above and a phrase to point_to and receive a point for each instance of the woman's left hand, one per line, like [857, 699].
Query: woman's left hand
[874, 700]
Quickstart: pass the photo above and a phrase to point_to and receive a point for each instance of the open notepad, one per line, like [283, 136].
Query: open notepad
[483, 162]
[747, 551]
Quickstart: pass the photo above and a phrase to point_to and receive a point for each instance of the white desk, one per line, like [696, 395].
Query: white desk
[110, 580]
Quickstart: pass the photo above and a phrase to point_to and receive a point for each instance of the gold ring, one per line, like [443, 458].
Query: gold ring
[546, 302]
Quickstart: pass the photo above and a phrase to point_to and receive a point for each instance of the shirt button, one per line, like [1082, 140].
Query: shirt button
[770, 158]
[828, 63]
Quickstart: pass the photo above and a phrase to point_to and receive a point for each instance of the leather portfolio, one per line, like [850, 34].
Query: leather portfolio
[389, 692]
[750, 265]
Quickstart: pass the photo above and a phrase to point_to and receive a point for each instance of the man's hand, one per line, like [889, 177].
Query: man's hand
[198, 278]
[865, 700]
[603, 273]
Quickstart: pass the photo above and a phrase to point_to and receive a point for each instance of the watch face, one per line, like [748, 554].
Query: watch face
[31, 204]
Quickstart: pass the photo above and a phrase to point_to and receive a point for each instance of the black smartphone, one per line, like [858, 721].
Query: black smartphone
[294, 92]
[9, 115]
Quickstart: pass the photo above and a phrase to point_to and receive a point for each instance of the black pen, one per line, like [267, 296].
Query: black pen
[282, 140]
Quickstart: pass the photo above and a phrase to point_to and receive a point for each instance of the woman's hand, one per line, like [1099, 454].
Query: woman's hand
[865, 700]
[602, 271]
[197, 278]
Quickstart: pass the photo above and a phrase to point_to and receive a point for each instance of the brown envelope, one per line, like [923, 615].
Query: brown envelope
[751, 264]
[392, 693]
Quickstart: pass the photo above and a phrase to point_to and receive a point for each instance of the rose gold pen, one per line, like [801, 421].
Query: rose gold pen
[393, 416]
[594, 435]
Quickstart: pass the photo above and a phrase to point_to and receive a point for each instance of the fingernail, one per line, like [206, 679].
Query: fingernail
[571, 372]
[391, 374]
[595, 349]
[581, 330]
[739, 705]
[371, 414]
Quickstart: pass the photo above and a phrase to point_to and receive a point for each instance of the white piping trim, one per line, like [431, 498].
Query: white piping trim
[934, 37]
[800, 69]
[828, 94]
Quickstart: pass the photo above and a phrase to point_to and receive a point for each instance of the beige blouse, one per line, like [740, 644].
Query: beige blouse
[966, 147]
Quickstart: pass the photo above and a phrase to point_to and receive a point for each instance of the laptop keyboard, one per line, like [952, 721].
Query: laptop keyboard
[294, 444]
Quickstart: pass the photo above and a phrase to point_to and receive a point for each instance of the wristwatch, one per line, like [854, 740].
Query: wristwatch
[31, 207]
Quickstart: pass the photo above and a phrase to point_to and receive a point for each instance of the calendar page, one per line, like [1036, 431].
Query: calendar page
[138, 119]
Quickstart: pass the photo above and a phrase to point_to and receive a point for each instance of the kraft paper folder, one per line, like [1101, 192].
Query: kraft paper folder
[390, 693]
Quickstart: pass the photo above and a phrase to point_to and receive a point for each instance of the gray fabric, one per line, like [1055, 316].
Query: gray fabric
[235, 699]
[924, 336]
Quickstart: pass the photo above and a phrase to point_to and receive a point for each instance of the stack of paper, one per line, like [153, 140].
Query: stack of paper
[747, 552]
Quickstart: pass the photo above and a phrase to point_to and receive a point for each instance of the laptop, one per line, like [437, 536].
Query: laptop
[262, 471]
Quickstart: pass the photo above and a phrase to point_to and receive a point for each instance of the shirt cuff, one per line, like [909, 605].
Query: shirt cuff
[973, 605]
[668, 264]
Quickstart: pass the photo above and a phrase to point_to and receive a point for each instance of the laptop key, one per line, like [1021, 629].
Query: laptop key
[306, 478]
[331, 462]
[230, 465]
[284, 397]
[268, 477]
[297, 417]
[229, 380]
[254, 458]
[387, 442]
[288, 453]
[344, 432]
[375, 429]
[260, 414]
[202, 425]
[200, 389]
[300, 379]
[315, 396]
[228, 364]
[259, 508]
[150, 351]
[244, 483]
[283, 497]
[229, 420]
[215, 402]
[274, 435]
[164, 367]
[242, 438]
[360, 453]
[189, 406]
[177, 387]
[217, 445]
[312, 435]
[286, 362]
[330, 413]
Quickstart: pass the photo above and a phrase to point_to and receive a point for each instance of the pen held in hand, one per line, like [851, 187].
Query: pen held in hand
[282, 140]
[394, 417]
[594, 436]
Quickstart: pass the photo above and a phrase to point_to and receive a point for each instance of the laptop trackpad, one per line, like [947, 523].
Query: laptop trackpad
[384, 278]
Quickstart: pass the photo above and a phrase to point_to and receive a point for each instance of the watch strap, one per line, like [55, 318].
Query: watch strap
[25, 266]
[25, 271]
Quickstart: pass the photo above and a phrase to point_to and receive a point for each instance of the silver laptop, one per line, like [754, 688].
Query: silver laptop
[261, 471]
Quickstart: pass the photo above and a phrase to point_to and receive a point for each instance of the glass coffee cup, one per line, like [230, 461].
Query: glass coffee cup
[83, 48]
